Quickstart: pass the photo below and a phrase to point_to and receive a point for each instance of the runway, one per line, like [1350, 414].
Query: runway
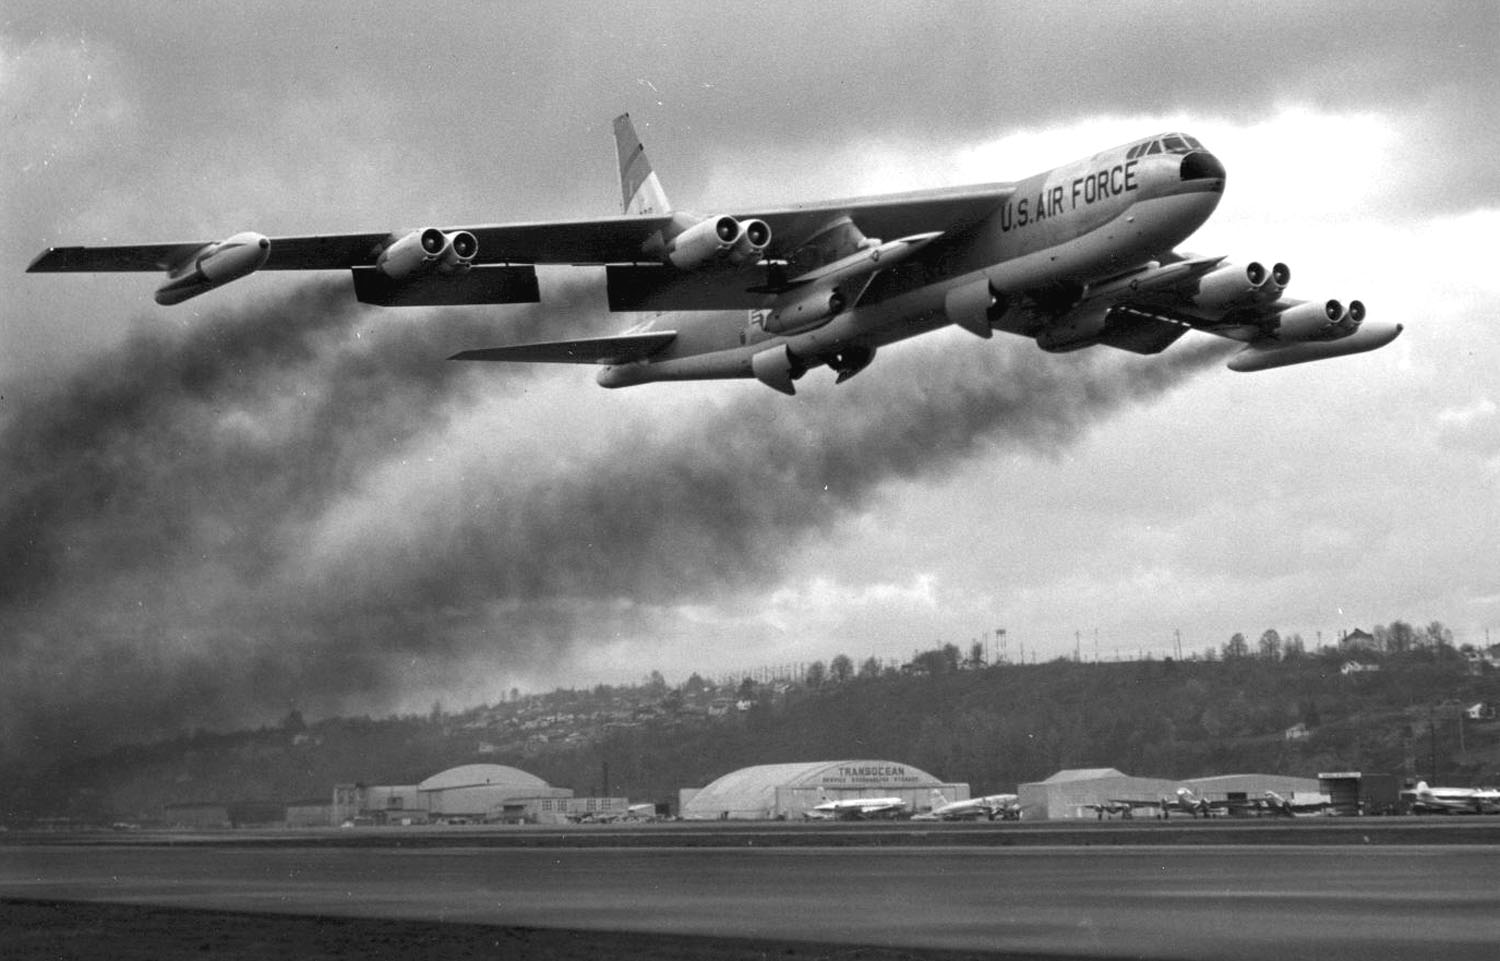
[1124, 900]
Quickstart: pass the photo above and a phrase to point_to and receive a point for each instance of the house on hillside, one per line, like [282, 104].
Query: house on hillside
[1297, 732]
[1358, 640]
[1352, 667]
[1480, 712]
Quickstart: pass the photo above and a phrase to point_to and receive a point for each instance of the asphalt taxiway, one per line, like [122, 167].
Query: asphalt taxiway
[1388, 889]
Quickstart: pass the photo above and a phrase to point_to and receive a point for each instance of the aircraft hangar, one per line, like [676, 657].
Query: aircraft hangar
[783, 791]
[471, 792]
[1070, 793]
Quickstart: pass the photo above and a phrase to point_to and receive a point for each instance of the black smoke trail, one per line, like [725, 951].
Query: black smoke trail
[195, 535]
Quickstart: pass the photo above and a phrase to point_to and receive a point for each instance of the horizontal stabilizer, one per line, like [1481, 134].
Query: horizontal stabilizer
[477, 285]
[621, 349]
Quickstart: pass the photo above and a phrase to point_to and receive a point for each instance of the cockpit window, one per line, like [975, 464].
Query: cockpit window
[1171, 143]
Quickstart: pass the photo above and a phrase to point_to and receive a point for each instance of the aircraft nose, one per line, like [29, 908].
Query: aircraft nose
[1202, 165]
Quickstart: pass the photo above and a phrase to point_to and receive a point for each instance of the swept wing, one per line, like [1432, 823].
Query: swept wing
[1147, 310]
[496, 262]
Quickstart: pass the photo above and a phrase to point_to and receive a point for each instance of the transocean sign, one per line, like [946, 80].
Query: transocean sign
[848, 774]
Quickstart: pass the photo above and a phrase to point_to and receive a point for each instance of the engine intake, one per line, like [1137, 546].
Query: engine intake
[755, 235]
[1231, 286]
[1328, 320]
[428, 249]
[459, 254]
[709, 239]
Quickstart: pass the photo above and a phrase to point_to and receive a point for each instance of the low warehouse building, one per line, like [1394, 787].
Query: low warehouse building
[1085, 793]
[780, 791]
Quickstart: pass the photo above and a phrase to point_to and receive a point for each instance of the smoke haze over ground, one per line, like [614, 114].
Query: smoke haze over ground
[226, 524]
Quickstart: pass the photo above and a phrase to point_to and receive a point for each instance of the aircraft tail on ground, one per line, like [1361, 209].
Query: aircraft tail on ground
[640, 191]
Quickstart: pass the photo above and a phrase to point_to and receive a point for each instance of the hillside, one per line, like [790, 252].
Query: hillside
[994, 727]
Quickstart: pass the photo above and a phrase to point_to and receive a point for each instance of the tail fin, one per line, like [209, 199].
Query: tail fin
[640, 191]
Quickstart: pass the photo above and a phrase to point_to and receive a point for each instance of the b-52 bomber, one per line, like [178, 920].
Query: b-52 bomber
[1073, 257]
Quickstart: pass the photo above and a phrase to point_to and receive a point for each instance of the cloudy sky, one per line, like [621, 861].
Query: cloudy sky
[273, 497]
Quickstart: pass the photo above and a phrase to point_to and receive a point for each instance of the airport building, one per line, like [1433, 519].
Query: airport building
[470, 793]
[1079, 793]
[785, 791]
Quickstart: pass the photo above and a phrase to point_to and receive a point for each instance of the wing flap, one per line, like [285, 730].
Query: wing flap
[477, 285]
[1140, 333]
[666, 288]
[620, 349]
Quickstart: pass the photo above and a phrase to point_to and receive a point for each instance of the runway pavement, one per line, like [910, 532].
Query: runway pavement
[1121, 899]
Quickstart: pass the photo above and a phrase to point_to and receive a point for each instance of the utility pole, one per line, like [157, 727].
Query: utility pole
[1432, 736]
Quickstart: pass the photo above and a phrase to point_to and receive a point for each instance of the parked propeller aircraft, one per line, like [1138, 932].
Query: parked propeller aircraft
[992, 807]
[1454, 800]
[1275, 804]
[1073, 257]
[1105, 809]
[858, 808]
[1184, 801]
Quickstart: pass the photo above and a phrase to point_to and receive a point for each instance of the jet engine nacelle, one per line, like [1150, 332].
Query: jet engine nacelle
[1328, 320]
[755, 235]
[777, 368]
[1231, 285]
[709, 239]
[428, 249]
[215, 265]
[802, 310]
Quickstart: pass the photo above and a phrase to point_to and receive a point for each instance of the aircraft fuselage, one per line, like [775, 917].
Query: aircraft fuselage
[1059, 231]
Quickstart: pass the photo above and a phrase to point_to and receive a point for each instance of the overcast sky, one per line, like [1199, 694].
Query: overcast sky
[272, 497]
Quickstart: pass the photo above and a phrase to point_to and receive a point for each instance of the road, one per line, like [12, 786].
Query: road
[1156, 901]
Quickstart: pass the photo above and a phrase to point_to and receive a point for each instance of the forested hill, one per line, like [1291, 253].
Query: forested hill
[1001, 726]
[993, 727]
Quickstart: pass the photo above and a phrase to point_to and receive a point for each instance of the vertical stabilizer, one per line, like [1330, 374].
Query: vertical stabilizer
[641, 192]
